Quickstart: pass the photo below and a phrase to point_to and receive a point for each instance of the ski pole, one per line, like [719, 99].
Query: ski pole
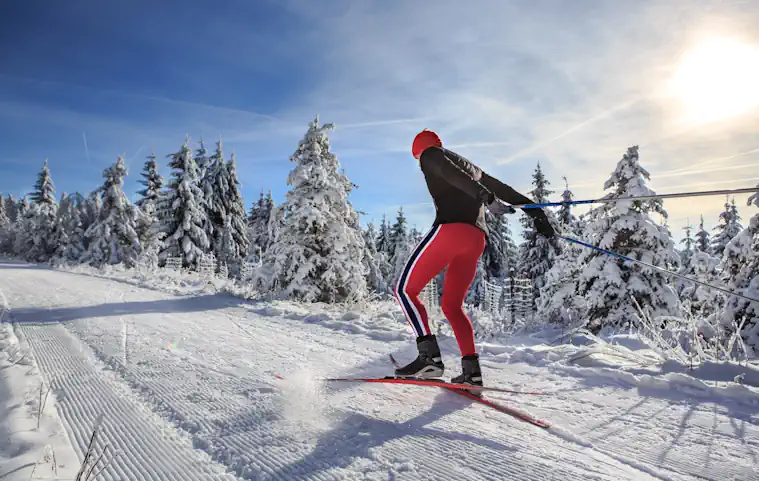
[630, 259]
[746, 190]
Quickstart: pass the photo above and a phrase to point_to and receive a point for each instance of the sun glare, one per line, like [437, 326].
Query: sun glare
[718, 79]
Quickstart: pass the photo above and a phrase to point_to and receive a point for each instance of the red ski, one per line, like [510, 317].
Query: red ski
[429, 382]
[521, 415]
[461, 389]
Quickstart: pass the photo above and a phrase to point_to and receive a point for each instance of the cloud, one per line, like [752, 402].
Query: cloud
[507, 84]
[516, 83]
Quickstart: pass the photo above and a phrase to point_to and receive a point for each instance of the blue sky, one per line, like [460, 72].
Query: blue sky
[568, 84]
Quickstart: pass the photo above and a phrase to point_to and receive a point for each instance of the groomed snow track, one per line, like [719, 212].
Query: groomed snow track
[188, 391]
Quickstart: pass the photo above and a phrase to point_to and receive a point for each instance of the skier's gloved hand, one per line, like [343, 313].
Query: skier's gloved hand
[496, 207]
[543, 226]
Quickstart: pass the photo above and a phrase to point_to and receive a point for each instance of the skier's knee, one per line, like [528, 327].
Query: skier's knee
[451, 307]
[406, 291]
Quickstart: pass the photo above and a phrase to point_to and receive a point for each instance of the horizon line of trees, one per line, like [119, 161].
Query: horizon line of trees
[312, 247]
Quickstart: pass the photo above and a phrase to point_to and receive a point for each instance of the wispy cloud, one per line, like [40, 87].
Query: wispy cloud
[86, 149]
[571, 85]
[515, 83]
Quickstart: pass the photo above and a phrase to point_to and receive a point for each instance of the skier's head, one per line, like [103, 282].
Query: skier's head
[423, 140]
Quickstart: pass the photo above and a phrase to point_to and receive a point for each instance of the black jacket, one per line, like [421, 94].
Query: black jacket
[460, 189]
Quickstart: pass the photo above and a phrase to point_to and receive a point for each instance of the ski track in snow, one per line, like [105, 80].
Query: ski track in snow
[188, 390]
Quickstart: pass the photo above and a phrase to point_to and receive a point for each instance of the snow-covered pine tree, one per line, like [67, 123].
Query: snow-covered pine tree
[728, 228]
[500, 251]
[536, 253]
[114, 237]
[383, 246]
[71, 249]
[152, 181]
[203, 161]
[477, 289]
[703, 241]
[686, 253]
[5, 225]
[45, 210]
[689, 244]
[740, 271]
[58, 234]
[4, 219]
[314, 256]
[415, 235]
[11, 208]
[372, 260]
[383, 236]
[400, 245]
[44, 188]
[23, 228]
[697, 299]
[258, 224]
[566, 218]
[559, 301]
[89, 212]
[626, 227]
[231, 246]
[186, 236]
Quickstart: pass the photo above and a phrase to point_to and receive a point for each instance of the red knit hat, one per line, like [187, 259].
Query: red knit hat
[423, 140]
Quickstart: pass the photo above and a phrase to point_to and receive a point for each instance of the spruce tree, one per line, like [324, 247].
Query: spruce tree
[740, 271]
[11, 208]
[71, 242]
[258, 224]
[4, 219]
[384, 252]
[728, 228]
[314, 255]
[372, 261]
[186, 236]
[500, 251]
[702, 241]
[626, 227]
[566, 218]
[232, 244]
[23, 228]
[152, 181]
[5, 226]
[45, 210]
[44, 189]
[686, 253]
[537, 254]
[400, 244]
[202, 160]
[114, 238]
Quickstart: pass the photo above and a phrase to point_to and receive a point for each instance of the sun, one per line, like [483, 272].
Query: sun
[718, 79]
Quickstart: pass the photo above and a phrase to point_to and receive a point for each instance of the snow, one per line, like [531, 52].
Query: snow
[188, 388]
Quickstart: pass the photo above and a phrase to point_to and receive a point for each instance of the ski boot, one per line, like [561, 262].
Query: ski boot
[470, 373]
[429, 363]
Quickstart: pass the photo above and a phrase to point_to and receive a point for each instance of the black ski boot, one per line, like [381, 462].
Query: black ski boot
[470, 373]
[429, 363]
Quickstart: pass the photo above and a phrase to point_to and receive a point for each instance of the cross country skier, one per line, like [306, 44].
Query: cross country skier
[459, 190]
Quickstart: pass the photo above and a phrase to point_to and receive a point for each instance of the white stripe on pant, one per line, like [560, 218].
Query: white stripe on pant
[409, 309]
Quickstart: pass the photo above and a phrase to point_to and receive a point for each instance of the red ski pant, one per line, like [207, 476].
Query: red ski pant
[459, 247]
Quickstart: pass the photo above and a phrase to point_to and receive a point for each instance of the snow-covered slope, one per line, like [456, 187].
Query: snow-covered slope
[188, 388]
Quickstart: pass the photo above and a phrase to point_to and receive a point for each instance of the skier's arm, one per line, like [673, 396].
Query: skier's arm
[434, 160]
[508, 194]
